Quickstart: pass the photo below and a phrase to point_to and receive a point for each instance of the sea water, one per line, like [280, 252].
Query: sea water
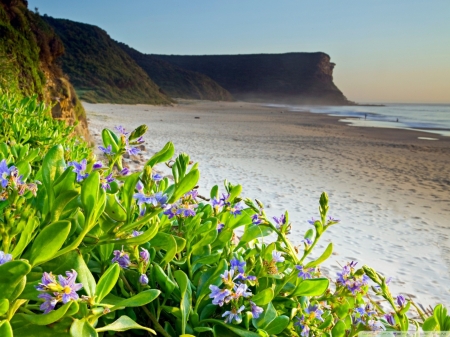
[432, 118]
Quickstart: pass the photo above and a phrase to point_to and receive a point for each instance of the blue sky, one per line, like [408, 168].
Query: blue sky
[385, 50]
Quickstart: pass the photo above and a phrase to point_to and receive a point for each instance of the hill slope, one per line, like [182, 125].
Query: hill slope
[178, 82]
[100, 70]
[29, 49]
[303, 78]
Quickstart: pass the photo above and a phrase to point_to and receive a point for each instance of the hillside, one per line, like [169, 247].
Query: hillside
[100, 70]
[301, 78]
[178, 82]
[29, 50]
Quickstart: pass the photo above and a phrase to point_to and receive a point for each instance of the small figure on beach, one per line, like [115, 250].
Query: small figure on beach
[365, 116]
[397, 120]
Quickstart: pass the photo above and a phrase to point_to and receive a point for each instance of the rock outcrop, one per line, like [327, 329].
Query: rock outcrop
[298, 78]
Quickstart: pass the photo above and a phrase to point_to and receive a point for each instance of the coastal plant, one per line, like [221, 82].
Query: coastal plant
[91, 248]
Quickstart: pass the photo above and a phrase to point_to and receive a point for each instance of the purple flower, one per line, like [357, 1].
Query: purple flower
[171, 211]
[312, 221]
[220, 226]
[69, 286]
[347, 279]
[186, 210]
[219, 296]
[157, 177]
[49, 303]
[277, 256]
[143, 279]
[158, 199]
[97, 165]
[332, 221]
[4, 257]
[145, 255]
[304, 329]
[48, 283]
[217, 202]
[121, 258]
[104, 181]
[401, 301]
[257, 219]
[106, 150]
[305, 273]
[280, 221]
[132, 151]
[241, 290]
[5, 172]
[125, 171]
[307, 241]
[79, 169]
[314, 312]
[375, 325]
[390, 319]
[121, 129]
[191, 195]
[256, 311]
[136, 233]
[233, 315]
[236, 210]
[239, 265]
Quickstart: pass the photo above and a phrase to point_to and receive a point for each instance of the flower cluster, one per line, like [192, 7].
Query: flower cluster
[236, 293]
[122, 258]
[62, 290]
[4, 257]
[305, 273]
[12, 180]
[354, 282]
[311, 316]
[156, 200]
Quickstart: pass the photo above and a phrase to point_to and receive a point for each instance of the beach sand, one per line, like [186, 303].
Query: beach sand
[390, 189]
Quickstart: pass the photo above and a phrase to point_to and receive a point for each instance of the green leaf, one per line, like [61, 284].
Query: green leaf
[189, 181]
[143, 298]
[90, 196]
[338, 329]
[110, 138]
[430, 324]
[263, 297]
[114, 209]
[235, 329]
[185, 303]
[49, 241]
[166, 284]
[140, 239]
[325, 255]
[68, 309]
[165, 154]
[124, 323]
[213, 279]
[53, 165]
[107, 281]
[128, 191]
[277, 325]
[84, 274]
[311, 287]
[82, 328]
[24, 169]
[61, 202]
[235, 192]
[4, 306]
[5, 329]
[11, 274]
[253, 232]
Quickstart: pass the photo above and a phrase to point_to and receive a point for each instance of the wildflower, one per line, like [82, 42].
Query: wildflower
[5, 172]
[132, 151]
[305, 273]
[280, 221]
[171, 211]
[237, 265]
[4, 257]
[401, 301]
[352, 282]
[276, 256]
[121, 129]
[312, 221]
[145, 255]
[69, 286]
[104, 181]
[106, 150]
[332, 221]
[217, 202]
[236, 210]
[157, 177]
[122, 258]
[375, 325]
[390, 319]
[307, 241]
[143, 279]
[136, 233]
[304, 329]
[219, 296]
[233, 315]
[257, 219]
[314, 312]
[125, 171]
[191, 195]
[241, 290]
[158, 199]
[79, 169]
[48, 283]
[97, 165]
[220, 226]
[49, 303]
[256, 311]
[187, 210]
[228, 278]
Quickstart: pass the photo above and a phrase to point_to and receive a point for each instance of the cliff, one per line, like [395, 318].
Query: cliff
[178, 82]
[100, 70]
[298, 78]
[29, 50]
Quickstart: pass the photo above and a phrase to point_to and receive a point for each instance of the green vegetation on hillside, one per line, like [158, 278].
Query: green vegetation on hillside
[100, 70]
[178, 82]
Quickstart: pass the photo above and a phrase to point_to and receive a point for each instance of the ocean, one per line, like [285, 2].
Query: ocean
[432, 118]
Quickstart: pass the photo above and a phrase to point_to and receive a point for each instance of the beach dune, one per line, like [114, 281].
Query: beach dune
[390, 189]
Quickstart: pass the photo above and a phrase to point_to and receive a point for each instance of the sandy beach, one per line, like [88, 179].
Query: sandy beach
[390, 189]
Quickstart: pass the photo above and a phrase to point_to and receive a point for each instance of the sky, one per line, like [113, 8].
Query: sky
[384, 50]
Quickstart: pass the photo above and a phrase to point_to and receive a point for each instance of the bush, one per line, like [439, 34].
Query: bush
[89, 248]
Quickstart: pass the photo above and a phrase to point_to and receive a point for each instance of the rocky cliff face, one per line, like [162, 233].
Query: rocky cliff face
[298, 78]
[178, 82]
[100, 70]
[29, 50]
